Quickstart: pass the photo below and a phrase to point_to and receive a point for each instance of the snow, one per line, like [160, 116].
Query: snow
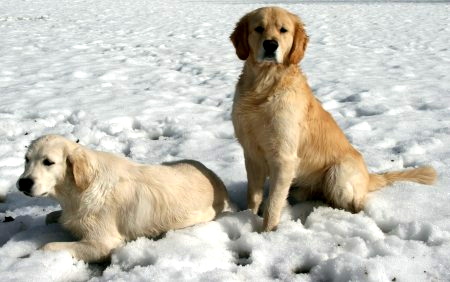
[154, 81]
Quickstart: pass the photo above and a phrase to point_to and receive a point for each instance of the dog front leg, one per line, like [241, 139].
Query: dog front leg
[88, 251]
[256, 175]
[281, 176]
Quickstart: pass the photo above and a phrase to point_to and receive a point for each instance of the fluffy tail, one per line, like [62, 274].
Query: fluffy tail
[423, 175]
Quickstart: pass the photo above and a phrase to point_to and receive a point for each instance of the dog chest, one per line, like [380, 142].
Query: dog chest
[266, 126]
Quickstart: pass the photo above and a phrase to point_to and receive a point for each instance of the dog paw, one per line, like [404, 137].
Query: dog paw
[58, 247]
[50, 247]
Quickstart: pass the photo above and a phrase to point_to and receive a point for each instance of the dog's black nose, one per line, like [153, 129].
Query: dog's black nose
[25, 185]
[270, 46]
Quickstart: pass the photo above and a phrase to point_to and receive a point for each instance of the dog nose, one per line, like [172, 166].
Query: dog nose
[25, 185]
[270, 45]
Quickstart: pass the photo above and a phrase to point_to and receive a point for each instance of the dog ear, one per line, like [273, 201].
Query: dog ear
[239, 37]
[299, 44]
[82, 169]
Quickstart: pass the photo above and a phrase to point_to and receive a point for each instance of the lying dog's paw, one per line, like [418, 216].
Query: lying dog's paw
[53, 217]
[51, 247]
[59, 246]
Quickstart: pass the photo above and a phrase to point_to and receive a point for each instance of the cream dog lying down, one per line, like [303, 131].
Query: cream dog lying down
[107, 200]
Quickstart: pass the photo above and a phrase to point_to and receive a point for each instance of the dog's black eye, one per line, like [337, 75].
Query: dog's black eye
[48, 162]
[27, 159]
[259, 29]
[283, 30]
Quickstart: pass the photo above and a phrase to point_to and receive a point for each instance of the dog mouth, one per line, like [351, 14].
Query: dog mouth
[27, 193]
[269, 57]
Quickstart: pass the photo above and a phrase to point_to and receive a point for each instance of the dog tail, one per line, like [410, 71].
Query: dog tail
[424, 175]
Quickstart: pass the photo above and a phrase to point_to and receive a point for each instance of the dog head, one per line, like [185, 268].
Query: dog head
[270, 35]
[54, 164]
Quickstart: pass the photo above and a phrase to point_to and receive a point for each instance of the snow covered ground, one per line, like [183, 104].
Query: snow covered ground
[154, 81]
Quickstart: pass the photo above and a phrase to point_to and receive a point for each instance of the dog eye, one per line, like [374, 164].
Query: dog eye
[259, 29]
[283, 30]
[27, 160]
[48, 162]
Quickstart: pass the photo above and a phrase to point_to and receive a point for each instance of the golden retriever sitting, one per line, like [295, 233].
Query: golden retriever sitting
[284, 131]
[107, 200]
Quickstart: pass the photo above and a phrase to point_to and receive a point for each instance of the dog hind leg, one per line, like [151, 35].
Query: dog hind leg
[345, 187]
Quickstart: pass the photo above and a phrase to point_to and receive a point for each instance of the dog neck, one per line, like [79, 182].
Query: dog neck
[68, 197]
[263, 79]
[90, 200]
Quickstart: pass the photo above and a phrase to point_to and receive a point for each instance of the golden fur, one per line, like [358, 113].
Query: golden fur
[107, 200]
[284, 131]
